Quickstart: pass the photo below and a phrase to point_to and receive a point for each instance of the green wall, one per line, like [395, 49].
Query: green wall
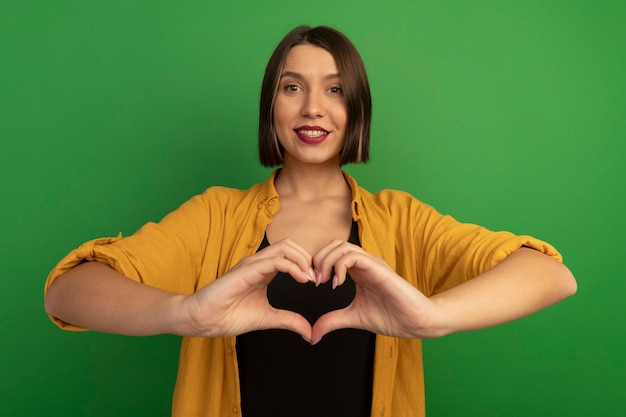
[508, 114]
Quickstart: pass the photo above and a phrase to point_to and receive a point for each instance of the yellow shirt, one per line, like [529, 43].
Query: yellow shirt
[206, 236]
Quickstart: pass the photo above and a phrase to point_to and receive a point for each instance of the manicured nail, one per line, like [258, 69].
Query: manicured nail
[311, 275]
[318, 277]
[335, 281]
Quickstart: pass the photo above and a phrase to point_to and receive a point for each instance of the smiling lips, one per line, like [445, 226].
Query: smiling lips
[311, 135]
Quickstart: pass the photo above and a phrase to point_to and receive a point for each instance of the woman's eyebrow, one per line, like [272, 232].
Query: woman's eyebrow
[300, 77]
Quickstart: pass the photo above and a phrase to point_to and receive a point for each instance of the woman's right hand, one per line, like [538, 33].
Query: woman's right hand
[236, 303]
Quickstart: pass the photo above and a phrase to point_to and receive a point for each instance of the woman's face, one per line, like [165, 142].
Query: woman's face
[310, 113]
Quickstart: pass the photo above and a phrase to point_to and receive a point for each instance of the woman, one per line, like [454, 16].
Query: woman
[283, 250]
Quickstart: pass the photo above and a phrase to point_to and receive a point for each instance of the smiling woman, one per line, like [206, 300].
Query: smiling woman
[310, 95]
[337, 286]
[347, 65]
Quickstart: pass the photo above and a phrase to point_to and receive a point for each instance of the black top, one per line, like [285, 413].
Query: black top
[283, 375]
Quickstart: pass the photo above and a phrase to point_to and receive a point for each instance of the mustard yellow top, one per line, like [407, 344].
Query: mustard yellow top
[210, 233]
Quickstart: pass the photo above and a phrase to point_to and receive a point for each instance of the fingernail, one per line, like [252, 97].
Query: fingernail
[335, 281]
[318, 277]
[311, 275]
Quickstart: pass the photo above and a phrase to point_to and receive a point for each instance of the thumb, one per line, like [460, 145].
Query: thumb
[288, 320]
[331, 321]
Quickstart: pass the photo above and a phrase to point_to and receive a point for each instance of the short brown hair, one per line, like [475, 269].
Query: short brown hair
[355, 86]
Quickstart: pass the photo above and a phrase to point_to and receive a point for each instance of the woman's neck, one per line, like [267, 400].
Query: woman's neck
[308, 182]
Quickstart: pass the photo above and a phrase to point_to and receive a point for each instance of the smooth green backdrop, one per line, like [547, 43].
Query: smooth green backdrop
[508, 114]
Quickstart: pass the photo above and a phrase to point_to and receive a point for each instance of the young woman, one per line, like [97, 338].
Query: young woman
[306, 294]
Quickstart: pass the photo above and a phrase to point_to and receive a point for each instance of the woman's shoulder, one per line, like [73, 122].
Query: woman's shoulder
[390, 197]
[225, 193]
[384, 196]
[224, 196]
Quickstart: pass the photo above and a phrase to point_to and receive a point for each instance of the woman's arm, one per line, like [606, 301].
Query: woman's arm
[94, 296]
[526, 281]
[523, 283]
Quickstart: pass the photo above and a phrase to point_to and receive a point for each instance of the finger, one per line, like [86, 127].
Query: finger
[288, 320]
[334, 320]
[365, 269]
[355, 261]
[291, 245]
[286, 248]
[326, 258]
[262, 271]
[322, 268]
[289, 249]
[342, 265]
[326, 249]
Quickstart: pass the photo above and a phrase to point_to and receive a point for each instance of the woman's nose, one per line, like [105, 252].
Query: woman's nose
[313, 105]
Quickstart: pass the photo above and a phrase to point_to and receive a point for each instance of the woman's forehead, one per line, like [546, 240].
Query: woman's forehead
[306, 59]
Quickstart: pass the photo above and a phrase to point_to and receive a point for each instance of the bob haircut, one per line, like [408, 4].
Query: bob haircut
[355, 86]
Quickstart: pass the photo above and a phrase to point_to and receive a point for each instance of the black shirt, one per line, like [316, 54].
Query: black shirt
[283, 375]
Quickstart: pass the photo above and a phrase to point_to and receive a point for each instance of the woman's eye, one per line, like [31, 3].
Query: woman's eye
[290, 88]
[336, 90]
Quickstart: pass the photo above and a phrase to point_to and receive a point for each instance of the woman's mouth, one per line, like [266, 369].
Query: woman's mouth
[311, 135]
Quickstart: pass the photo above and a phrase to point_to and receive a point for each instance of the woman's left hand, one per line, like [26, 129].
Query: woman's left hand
[384, 303]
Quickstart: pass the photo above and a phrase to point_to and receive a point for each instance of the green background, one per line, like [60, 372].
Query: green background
[507, 114]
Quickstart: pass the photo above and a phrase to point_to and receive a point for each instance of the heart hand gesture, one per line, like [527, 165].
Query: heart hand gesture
[237, 302]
